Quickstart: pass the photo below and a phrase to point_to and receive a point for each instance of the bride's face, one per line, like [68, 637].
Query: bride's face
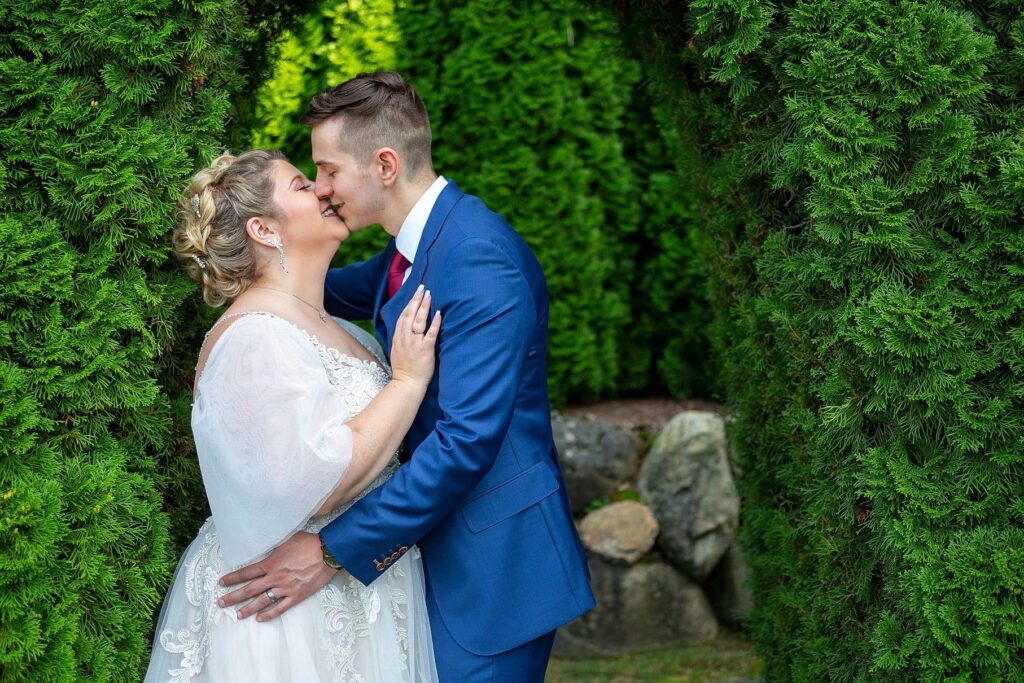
[304, 221]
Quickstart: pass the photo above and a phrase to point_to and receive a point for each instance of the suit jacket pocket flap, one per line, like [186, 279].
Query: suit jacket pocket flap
[510, 497]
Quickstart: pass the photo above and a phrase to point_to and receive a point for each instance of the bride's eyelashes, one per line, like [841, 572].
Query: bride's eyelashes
[306, 186]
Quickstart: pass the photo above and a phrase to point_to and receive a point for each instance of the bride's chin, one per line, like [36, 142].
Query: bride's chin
[338, 229]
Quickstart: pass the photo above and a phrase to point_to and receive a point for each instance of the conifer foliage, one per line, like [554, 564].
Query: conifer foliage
[527, 102]
[862, 168]
[106, 107]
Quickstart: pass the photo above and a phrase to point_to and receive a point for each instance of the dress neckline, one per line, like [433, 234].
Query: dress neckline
[319, 345]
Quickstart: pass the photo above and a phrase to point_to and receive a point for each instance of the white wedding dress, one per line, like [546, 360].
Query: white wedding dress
[269, 425]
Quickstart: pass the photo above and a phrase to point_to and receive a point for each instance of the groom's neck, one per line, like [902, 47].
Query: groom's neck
[403, 197]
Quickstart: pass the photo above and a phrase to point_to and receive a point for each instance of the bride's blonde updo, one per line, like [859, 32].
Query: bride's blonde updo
[210, 236]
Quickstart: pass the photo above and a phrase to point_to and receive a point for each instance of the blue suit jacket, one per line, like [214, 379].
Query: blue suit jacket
[483, 493]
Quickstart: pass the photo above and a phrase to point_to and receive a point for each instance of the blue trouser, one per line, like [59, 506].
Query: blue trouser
[524, 664]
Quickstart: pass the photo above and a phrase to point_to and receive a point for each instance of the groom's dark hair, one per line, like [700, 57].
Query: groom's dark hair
[379, 109]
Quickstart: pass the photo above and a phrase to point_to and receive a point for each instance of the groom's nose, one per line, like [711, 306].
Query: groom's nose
[322, 188]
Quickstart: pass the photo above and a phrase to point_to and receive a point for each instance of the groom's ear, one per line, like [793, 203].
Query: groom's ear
[388, 165]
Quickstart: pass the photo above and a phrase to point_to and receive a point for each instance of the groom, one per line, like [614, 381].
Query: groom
[482, 494]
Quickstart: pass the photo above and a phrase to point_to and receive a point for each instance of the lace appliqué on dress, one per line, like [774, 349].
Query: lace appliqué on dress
[351, 608]
[400, 600]
[201, 588]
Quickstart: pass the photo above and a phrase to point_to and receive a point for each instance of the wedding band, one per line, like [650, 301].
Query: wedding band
[270, 594]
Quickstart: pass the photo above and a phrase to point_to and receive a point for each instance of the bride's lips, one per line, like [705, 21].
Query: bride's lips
[329, 212]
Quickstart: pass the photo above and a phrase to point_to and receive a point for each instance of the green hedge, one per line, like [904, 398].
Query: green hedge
[528, 104]
[862, 166]
[104, 108]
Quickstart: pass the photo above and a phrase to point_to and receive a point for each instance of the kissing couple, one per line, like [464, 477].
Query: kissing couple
[384, 509]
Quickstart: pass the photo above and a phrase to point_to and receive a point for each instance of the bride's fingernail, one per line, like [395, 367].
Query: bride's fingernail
[419, 290]
[220, 602]
[221, 581]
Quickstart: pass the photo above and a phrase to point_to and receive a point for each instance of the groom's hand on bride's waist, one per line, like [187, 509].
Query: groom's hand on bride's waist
[289, 575]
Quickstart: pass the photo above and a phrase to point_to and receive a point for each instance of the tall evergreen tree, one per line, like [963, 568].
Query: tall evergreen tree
[105, 109]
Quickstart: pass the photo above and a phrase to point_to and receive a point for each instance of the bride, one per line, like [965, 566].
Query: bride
[295, 416]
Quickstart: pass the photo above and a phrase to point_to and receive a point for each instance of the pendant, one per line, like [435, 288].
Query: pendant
[323, 316]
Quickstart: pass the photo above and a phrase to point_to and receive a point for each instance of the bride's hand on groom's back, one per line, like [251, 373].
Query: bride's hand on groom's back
[412, 347]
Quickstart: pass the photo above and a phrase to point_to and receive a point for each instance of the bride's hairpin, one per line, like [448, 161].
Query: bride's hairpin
[195, 205]
[201, 262]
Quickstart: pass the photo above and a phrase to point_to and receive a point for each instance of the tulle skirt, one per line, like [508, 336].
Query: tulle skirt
[345, 632]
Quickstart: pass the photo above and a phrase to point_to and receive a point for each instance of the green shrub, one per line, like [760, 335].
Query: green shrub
[104, 109]
[862, 175]
[336, 41]
[528, 103]
[541, 111]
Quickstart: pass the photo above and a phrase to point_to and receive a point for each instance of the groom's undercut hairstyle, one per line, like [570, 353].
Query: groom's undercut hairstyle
[378, 109]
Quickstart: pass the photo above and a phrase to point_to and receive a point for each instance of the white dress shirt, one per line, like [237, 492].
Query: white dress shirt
[408, 239]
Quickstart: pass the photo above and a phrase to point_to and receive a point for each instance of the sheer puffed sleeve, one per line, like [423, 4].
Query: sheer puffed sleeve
[270, 432]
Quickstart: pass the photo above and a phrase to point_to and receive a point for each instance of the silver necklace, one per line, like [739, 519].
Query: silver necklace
[321, 312]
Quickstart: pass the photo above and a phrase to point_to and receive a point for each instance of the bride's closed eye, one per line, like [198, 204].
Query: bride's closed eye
[306, 186]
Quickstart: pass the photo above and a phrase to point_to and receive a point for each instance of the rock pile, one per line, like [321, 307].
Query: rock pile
[664, 568]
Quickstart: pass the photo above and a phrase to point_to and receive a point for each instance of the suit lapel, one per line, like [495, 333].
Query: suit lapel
[389, 310]
[382, 294]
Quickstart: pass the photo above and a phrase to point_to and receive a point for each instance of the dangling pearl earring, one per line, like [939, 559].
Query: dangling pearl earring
[274, 241]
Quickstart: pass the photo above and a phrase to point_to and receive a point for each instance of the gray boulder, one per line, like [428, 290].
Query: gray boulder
[620, 532]
[727, 589]
[641, 607]
[687, 481]
[596, 458]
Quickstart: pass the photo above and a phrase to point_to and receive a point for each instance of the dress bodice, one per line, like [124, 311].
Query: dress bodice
[362, 380]
[270, 422]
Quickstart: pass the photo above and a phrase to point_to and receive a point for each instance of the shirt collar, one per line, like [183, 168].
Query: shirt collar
[408, 239]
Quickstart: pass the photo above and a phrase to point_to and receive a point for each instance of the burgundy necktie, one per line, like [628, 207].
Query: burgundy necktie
[395, 275]
[396, 272]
